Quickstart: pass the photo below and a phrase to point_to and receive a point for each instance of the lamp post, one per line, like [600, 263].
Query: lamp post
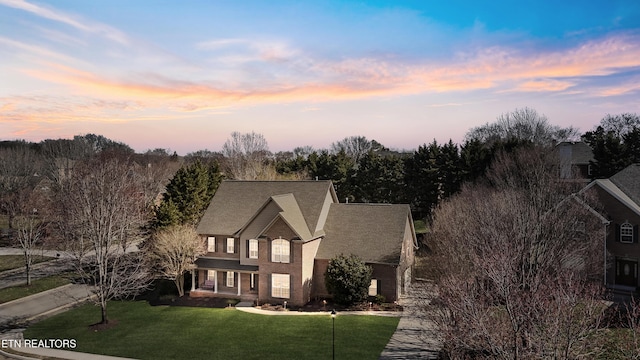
[333, 340]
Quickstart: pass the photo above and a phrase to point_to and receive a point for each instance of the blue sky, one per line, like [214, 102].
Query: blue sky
[184, 75]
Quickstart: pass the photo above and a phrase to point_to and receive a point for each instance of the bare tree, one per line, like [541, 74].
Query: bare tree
[354, 146]
[19, 174]
[174, 251]
[522, 125]
[102, 211]
[30, 227]
[517, 264]
[246, 156]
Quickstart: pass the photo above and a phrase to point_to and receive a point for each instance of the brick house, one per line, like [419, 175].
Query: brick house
[271, 241]
[619, 198]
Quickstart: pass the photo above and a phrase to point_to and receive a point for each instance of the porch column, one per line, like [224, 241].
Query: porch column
[193, 279]
[239, 283]
[215, 281]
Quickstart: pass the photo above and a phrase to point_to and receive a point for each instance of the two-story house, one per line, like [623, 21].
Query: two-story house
[619, 197]
[271, 241]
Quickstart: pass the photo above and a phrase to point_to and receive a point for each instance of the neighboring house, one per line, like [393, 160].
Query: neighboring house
[271, 241]
[575, 158]
[619, 197]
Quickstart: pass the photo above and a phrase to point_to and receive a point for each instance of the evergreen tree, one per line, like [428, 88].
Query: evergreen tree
[188, 195]
[348, 279]
[379, 179]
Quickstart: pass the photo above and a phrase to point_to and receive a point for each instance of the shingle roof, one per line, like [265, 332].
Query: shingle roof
[236, 202]
[628, 180]
[374, 232]
[579, 152]
[223, 264]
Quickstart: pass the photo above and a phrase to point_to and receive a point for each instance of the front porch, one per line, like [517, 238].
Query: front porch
[224, 278]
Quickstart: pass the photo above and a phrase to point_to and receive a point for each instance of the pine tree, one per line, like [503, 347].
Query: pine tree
[188, 194]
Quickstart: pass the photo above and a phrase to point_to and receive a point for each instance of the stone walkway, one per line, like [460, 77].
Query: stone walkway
[416, 336]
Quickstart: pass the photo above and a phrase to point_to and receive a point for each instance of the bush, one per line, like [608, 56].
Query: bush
[348, 279]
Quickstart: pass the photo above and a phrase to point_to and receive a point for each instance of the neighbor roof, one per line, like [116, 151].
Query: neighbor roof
[236, 202]
[374, 232]
[580, 152]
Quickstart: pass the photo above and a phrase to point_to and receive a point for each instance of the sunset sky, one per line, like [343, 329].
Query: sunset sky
[184, 74]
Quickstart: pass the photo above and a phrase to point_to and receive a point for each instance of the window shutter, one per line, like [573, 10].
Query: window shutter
[617, 232]
[247, 247]
[379, 288]
[635, 234]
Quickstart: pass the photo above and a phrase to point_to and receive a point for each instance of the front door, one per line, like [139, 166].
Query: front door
[626, 272]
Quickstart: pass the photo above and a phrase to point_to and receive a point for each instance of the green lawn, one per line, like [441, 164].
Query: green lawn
[162, 332]
[8, 262]
[39, 285]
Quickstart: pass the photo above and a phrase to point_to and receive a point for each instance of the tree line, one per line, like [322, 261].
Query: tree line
[96, 198]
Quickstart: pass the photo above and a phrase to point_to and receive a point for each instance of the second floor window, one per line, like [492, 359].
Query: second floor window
[253, 249]
[211, 244]
[231, 242]
[280, 251]
[626, 233]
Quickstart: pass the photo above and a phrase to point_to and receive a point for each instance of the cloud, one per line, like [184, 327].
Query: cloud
[75, 22]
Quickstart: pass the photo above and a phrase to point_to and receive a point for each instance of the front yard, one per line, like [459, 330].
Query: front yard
[171, 332]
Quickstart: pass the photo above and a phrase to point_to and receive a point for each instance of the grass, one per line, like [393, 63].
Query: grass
[9, 262]
[39, 285]
[161, 332]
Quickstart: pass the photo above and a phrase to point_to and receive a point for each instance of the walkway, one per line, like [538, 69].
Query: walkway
[416, 336]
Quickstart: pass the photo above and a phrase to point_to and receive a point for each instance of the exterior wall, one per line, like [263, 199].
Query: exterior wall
[309, 251]
[618, 213]
[254, 229]
[294, 268]
[387, 276]
[221, 247]
[407, 259]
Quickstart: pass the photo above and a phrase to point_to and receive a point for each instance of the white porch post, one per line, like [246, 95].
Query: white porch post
[239, 283]
[215, 281]
[193, 279]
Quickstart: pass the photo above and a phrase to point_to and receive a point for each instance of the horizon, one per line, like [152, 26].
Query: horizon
[184, 76]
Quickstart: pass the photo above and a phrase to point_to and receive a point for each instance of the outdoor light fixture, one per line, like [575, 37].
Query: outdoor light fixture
[333, 340]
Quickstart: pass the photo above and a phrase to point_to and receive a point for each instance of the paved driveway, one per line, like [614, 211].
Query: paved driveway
[42, 303]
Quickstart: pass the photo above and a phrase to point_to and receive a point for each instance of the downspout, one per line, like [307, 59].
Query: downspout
[605, 253]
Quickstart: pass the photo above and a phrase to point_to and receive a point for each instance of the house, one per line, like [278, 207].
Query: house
[619, 197]
[575, 160]
[271, 241]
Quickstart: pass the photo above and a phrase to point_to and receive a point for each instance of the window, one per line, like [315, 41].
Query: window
[230, 278]
[211, 275]
[626, 233]
[231, 242]
[211, 244]
[280, 251]
[253, 249]
[373, 288]
[280, 286]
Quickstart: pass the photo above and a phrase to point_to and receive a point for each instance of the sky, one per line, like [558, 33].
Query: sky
[183, 75]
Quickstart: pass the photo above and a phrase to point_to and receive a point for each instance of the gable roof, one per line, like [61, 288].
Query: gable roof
[236, 202]
[374, 232]
[292, 215]
[628, 181]
[616, 192]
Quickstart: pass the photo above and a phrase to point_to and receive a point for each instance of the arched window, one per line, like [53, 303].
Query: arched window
[626, 233]
[280, 251]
